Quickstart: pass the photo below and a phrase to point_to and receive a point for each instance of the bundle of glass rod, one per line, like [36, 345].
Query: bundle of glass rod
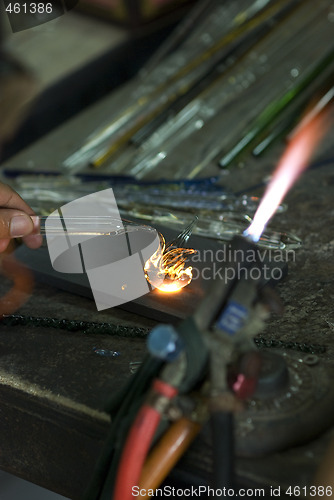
[218, 125]
[222, 226]
[263, 59]
[171, 204]
[222, 33]
[193, 195]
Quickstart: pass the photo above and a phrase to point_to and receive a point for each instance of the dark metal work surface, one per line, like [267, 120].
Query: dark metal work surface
[54, 386]
[156, 305]
[307, 293]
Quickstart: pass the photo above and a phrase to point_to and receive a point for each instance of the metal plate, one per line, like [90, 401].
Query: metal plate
[157, 305]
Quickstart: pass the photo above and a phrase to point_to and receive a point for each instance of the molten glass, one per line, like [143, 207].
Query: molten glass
[293, 162]
[166, 269]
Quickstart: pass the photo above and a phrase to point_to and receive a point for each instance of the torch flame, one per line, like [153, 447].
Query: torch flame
[293, 162]
[166, 270]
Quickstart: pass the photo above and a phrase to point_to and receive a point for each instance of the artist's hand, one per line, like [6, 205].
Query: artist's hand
[15, 220]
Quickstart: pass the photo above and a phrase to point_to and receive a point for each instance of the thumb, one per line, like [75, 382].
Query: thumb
[14, 224]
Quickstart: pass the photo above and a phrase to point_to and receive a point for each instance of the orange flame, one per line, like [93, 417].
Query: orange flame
[166, 270]
[293, 162]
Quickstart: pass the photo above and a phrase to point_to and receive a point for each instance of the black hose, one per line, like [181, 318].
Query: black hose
[223, 450]
[123, 409]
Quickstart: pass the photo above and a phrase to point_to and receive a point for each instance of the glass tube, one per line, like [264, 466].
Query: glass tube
[85, 226]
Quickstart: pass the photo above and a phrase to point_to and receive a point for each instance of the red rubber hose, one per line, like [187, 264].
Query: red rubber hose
[138, 444]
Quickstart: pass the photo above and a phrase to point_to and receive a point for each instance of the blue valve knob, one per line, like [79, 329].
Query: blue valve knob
[165, 343]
